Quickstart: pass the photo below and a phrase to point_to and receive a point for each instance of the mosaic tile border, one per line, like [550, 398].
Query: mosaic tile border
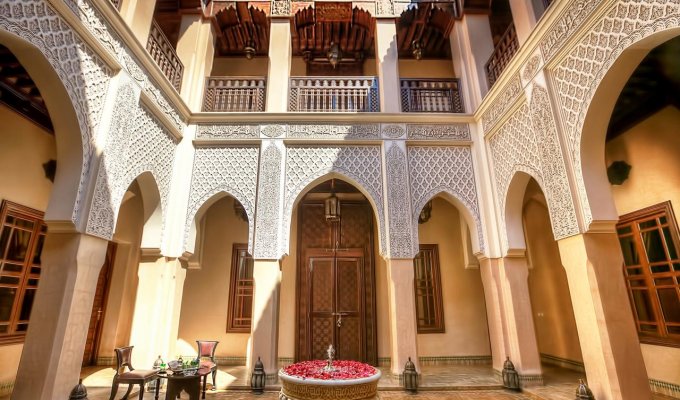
[665, 388]
[442, 360]
[531, 380]
[562, 362]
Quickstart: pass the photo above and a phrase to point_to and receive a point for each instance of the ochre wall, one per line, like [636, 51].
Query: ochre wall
[550, 300]
[410, 68]
[239, 66]
[205, 299]
[463, 295]
[24, 147]
[652, 148]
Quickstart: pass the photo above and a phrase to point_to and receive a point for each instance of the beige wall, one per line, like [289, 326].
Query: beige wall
[463, 295]
[652, 148]
[239, 66]
[287, 313]
[206, 290]
[550, 300]
[24, 147]
[410, 68]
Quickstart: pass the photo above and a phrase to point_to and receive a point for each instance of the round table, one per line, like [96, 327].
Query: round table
[191, 384]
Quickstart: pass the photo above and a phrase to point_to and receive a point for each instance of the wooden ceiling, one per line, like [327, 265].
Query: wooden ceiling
[239, 26]
[168, 15]
[428, 24]
[19, 92]
[313, 31]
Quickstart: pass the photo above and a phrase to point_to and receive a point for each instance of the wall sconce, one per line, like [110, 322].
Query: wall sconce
[417, 49]
[307, 56]
[249, 50]
[618, 172]
[334, 54]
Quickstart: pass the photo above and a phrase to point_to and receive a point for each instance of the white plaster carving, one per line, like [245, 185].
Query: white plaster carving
[393, 131]
[496, 111]
[443, 169]
[439, 131]
[402, 243]
[384, 8]
[579, 75]
[268, 222]
[362, 164]
[84, 75]
[232, 170]
[137, 142]
[280, 7]
[571, 20]
[531, 68]
[228, 131]
[316, 131]
[273, 131]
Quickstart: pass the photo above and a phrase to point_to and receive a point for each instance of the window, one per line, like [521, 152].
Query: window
[240, 290]
[429, 310]
[22, 236]
[649, 243]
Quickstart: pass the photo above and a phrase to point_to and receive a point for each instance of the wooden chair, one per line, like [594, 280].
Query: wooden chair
[131, 376]
[206, 348]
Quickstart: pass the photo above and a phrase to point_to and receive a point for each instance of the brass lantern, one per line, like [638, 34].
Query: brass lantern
[332, 208]
[583, 392]
[510, 376]
[417, 49]
[79, 392]
[334, 54]
[249, 50]
[410, 379]
[259, 378]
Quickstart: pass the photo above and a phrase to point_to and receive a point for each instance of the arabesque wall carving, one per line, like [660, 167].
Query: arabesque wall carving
[82, 73]
[232, 170]
[579, 75]
[402, 243]
[268, 225]
[443, 169]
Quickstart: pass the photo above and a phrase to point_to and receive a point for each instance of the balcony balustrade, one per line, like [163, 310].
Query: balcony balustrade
[334, 94]
[164, 54]
[240, 94]
[431, 95]
[505, 49]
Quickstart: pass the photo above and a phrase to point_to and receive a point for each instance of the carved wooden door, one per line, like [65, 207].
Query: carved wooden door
[94, 331]
[336, 283]
[335, 297]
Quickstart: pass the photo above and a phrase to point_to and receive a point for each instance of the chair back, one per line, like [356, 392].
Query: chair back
[206, 348]
[124, 359]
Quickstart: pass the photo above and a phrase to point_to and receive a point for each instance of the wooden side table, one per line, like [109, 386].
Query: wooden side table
[191, 384]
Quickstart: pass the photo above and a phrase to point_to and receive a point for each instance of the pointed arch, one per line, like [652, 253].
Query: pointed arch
[513, 226]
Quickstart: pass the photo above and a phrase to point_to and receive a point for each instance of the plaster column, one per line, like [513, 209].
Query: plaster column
[521, 346]
[387, 65]
[155, 324]
[196, 50]
[55, 341]
[280, 56]
[403, 328]
[524, 18]
[264, 334]
[138, 14]
[471, 48]
[604, 319]
[494, 309]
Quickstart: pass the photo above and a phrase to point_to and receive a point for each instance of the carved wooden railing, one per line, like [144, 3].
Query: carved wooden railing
[245, 94]
[164, 54]
[335, 94]
[505, 49]
[431, 95]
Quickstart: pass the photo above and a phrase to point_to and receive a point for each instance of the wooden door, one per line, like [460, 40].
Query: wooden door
[336, 311]
[336, 283]
[98, 306]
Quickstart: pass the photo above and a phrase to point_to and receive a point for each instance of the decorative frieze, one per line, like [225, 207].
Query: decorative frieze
[269, 222]
[316, 131]
[438, 131]
[273, 131]
[564, 28]
[402, 243]
[393, 131]
[498, 108]
[228, 131]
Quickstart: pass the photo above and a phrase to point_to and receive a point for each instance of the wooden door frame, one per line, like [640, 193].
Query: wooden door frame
[111, 252]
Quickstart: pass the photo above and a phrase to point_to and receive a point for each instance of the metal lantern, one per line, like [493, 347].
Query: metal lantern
[79, 392]
[510, 376]
[417, 49]
[410, 382]
[259, 378]
[249, 50]
[332, 208]
[334, 54]
[583, 392]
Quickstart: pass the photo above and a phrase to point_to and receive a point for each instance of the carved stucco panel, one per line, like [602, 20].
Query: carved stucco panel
[84, 75]
[571, 20]
[362, 164]
[507, 97]
[232, 170]
[228, 131]
[443, 169]
[579, 75]
[402, 243]
[268, 221]
[439, 131]
[137, 142]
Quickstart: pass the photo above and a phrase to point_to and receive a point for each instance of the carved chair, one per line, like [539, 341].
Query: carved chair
[206, 349]
[131, 376]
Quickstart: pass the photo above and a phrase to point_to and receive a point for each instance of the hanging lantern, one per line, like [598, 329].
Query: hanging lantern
[79, 392]
[583, 392]
[259, 378]
[410, 379]
[417, 49]
[249, 50]
[510, 376]
[332, 208]
[334, 54]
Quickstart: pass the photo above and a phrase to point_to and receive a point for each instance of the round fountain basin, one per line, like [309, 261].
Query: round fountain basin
[295, 387]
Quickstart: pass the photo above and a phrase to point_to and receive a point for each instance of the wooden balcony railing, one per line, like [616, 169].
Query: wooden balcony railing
[244, 94]
[164, 54]
[505, 49]
[431, 95]
[335, 94]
